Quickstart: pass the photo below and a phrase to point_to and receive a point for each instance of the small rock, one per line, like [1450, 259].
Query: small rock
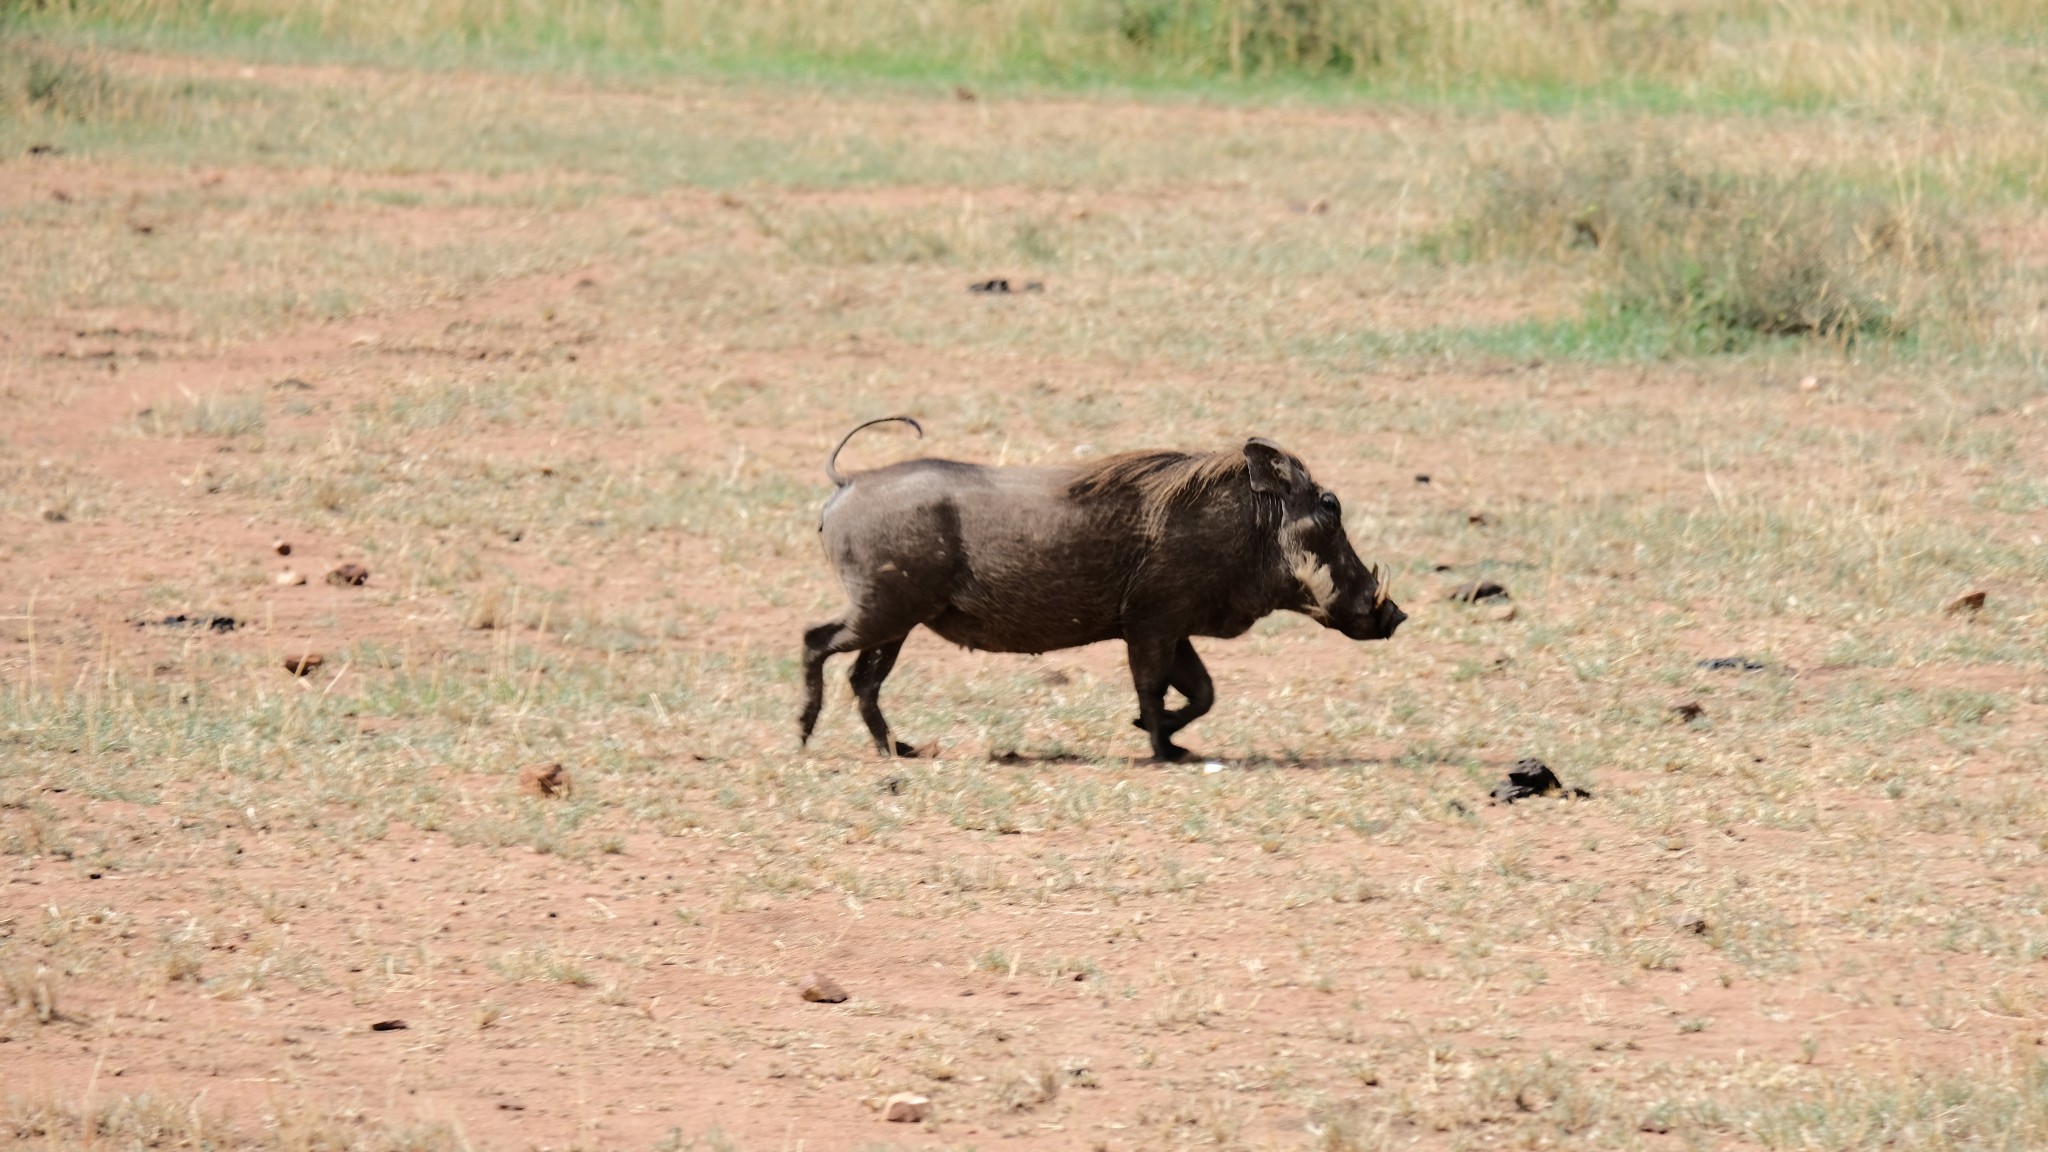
[1476, 518]
[389, 1026]
[1531, 777]
[1476, 591]
[964, 94]
[999, 286]
[1697, 925]
[349, 576]
[1967, 602]
[290, 579]
[1688, 711]
[1422, 477]
[59, 516]
[1810, 384]
[304, 664]
[819, 988]
[282, 547]
[544, 780]
[906, 1108]
[1503, 614]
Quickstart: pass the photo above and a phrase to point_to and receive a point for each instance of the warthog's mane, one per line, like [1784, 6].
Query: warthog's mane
[1159, 481]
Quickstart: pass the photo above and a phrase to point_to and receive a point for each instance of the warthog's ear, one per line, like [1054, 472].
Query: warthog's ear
[1272, 469]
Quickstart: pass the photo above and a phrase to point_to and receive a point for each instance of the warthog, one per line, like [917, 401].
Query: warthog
[1150, 548]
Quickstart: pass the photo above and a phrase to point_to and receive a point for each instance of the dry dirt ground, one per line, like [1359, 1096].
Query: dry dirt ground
[558, 364]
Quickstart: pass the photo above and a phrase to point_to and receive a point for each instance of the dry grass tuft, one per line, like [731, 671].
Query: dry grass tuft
[30, 993]
[1723, 256]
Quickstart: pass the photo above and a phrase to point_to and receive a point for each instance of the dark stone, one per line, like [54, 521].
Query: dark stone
[1731, 664]
[389, 1026]
[1532, 777]
[1000, 286]
[1422, 477]
[1478, 590]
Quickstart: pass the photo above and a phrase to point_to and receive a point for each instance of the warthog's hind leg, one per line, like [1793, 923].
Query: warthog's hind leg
[1189, 678]
[870, 668]
[820, 642]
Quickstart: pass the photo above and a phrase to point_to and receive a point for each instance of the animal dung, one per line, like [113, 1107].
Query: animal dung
[819, 988]
[1731, 664]
[389, 1026]
[282, 547]
[304, 664]
[181, 620]
[1688, 711]
[906, 1108]
[544, 780]
[349, 576]
[1476, 591]
[1531, 777]
[1967, 602]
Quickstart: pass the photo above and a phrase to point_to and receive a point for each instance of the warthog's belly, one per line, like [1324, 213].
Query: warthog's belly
[1045, 632]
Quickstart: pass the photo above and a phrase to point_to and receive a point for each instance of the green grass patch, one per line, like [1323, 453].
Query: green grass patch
[1901, 52]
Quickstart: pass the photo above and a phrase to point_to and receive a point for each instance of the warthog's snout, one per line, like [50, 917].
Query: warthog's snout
[1151, 548]
[1379, 624]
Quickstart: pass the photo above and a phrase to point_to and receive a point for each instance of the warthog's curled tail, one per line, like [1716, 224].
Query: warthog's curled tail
[832, 461]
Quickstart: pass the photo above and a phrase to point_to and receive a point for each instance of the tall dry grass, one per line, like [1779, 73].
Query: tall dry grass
[1722, 254]
[1885, 51]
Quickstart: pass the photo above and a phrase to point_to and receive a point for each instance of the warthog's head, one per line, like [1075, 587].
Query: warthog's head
[1336, 589]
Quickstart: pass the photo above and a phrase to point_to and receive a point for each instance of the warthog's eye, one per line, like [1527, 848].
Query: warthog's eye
[1329, 503]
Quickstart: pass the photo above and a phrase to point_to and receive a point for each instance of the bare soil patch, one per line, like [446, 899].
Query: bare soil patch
[583, 478]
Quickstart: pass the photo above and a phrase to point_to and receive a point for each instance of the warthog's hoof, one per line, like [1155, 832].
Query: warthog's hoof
[905, 751]
[1172, 753]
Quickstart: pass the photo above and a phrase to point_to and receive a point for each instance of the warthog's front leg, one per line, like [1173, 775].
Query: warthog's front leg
[1152, 661]
[1189, 678]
